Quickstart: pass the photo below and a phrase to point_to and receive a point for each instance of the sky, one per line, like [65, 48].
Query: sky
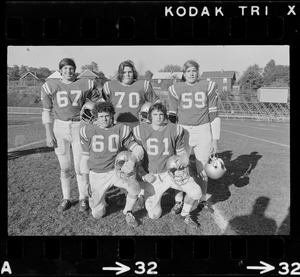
[153, 58]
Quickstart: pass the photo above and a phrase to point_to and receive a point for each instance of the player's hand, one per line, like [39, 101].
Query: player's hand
[51, 141]
[149, 178]
[214, 147]
[128, 167]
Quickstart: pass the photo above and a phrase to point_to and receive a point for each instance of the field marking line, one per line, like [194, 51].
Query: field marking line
[255, 127]
[281, 144]
[10, 126]
[25, 145]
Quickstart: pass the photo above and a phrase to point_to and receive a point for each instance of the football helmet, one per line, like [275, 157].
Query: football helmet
[86, 113]
[179, 174]
[215, 167]
[145, 111]
[120, 159]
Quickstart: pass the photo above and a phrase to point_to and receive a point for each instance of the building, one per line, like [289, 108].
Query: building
[55, 75]
[30, 79]
[165, 79]
[224, 79]
[88, 74]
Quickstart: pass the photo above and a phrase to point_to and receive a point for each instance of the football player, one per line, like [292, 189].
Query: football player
[101, 143]
[127, 94]
[64, 98]
[160, 141]
[194, 103]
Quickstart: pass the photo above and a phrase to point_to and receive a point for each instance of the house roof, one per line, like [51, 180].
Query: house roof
[87, 74]
[166, 75]
[218, 74]
[29, 73]
[54, 75]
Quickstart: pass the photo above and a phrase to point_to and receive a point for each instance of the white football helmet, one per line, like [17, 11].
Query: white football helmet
[179, 174]
[120, 159]
[215, 167]
[144, 112]
[86, 113]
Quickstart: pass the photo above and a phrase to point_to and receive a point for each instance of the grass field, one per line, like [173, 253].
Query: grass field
[253, 198]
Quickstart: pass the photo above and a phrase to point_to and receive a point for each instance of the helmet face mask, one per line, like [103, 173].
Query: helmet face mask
[86, 113]
[120, 160]
[179, 174]
[215, 168]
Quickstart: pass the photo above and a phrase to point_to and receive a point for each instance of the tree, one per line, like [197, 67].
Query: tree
[23, 70]
[43, 72]
[170, 68]
[92, 66]
[252, 78]
[275, 74]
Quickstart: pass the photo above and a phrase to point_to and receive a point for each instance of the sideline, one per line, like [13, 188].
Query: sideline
[264, 140]
[25, 145]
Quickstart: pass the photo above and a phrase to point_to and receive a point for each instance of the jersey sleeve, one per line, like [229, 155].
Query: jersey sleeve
[150, 94]
[127, 139]
[92, 92]
[84, 140]
[180, 141]
[106, 91]
[46, 97]
[173, 100]
[137, 134]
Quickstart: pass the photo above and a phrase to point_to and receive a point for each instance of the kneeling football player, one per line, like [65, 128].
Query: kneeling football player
[162, 140]
[101, 143]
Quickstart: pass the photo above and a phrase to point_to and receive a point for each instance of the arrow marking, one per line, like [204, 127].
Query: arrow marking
[121, 269]
[266, 267]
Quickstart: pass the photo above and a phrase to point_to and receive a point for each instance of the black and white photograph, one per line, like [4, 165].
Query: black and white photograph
[148, 140]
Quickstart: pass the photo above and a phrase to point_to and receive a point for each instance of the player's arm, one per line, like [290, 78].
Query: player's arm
[47, 103]
[180, 144]
[214, 119]
[93, 93]
[150, 94]
[137, 151]
[105, 92]
[173, 104]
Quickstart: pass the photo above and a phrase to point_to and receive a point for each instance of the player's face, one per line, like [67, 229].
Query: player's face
[127, 78]
[67, 73]
[104, 119]
[191, 75]
[158, 118]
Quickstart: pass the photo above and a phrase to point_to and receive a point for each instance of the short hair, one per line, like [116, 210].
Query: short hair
[66, 61]
[157, 106]
[103, 107]
[188, 64]
[122, 65]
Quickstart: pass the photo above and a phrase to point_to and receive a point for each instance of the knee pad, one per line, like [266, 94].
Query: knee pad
[196, 193]
[65, 163]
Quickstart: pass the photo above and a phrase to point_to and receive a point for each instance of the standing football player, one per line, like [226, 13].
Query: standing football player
[161, 140]
[127, 94]
[101, 143]
[194, 103]
[64, 98]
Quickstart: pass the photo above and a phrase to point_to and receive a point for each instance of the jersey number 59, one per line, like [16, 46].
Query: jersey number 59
[188, 97]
